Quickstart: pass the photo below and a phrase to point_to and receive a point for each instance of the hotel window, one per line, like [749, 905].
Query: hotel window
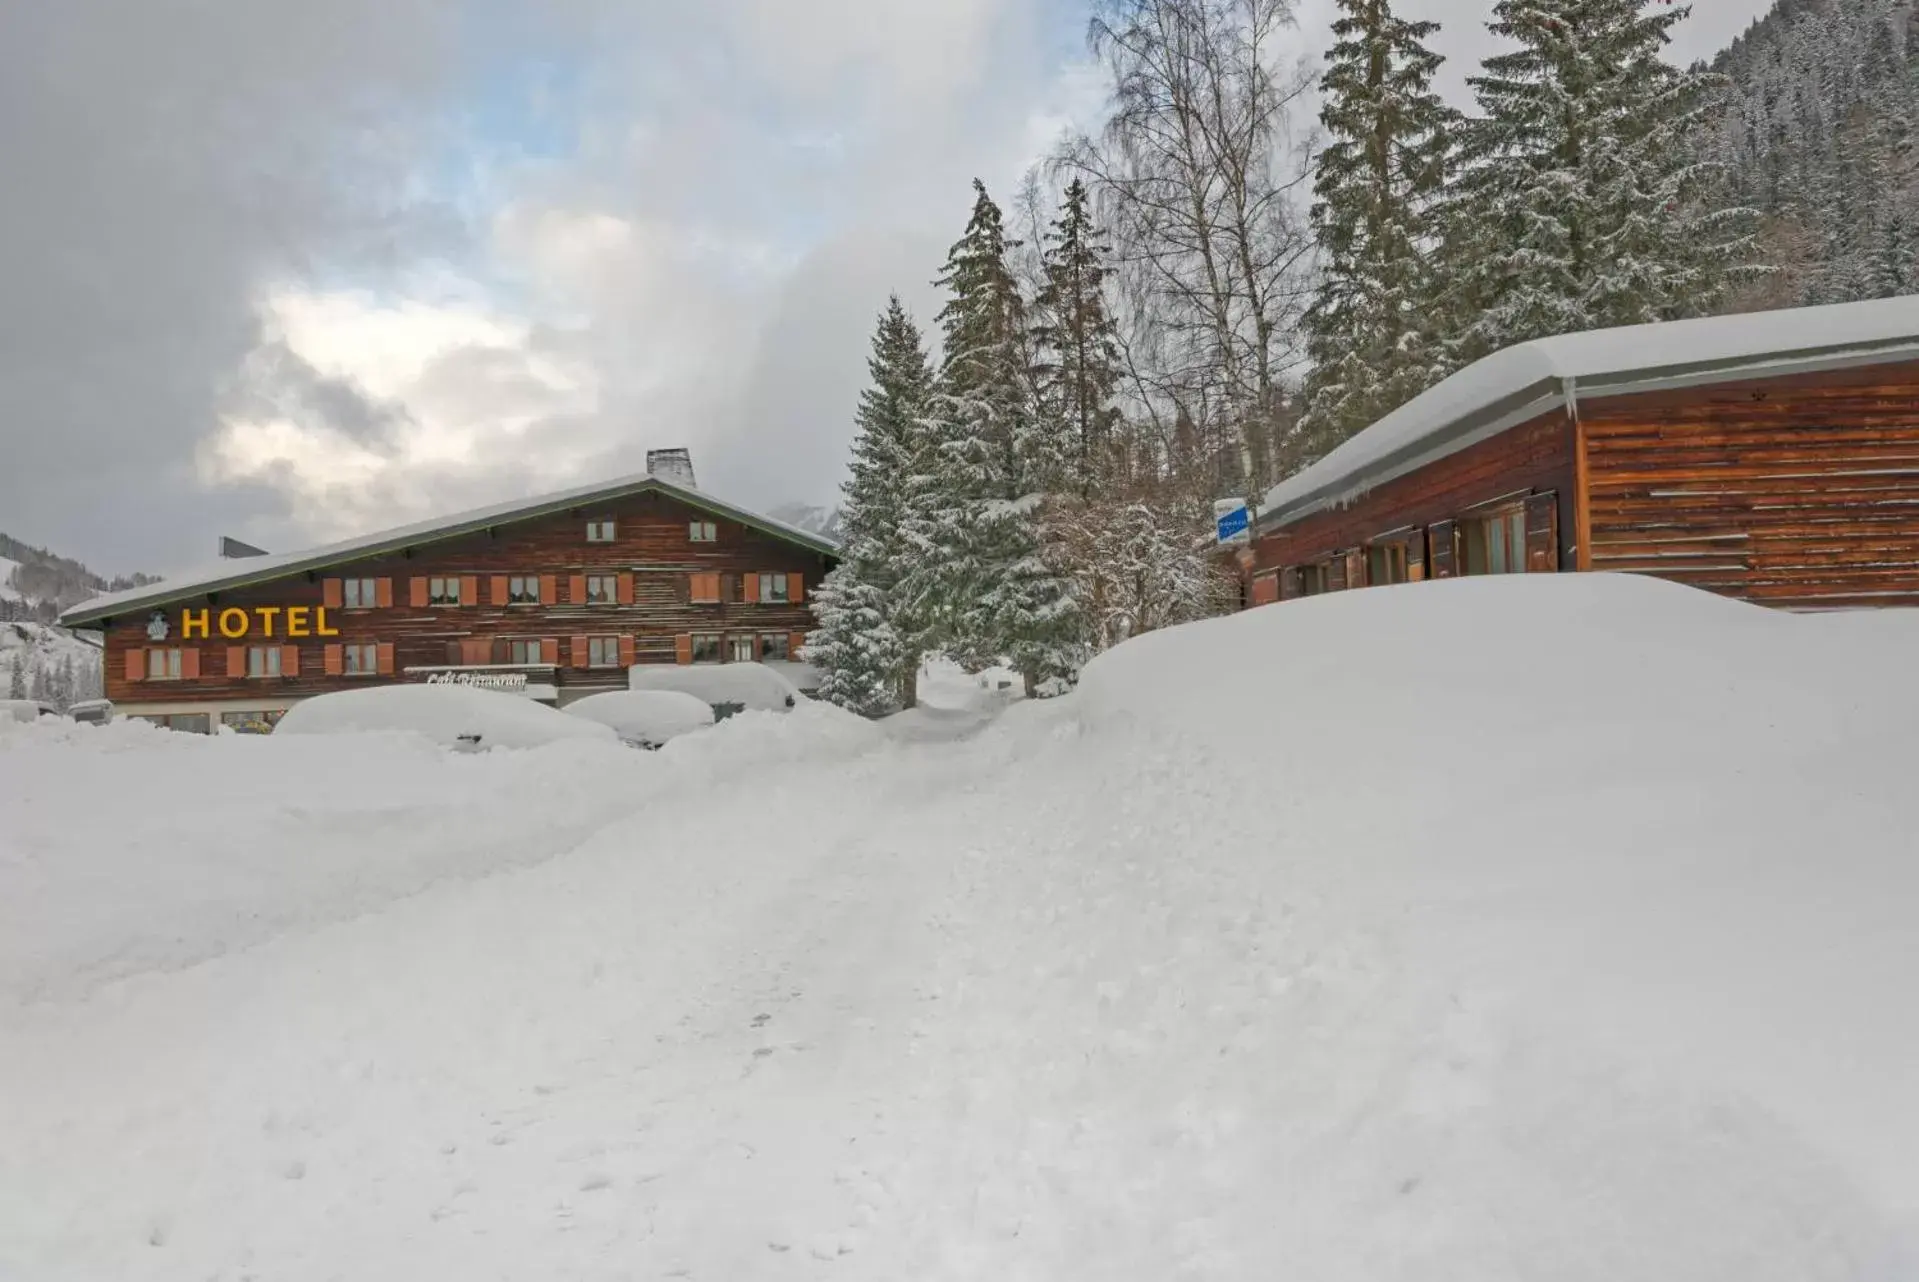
[263, 660]
[1496, 544]
[706, 647]
[740, 650]
[524, 652]
[602, 589]
[1386, 563]
[250, 722]
[523, 589]
[774, 646]
[359, 594]
[360, 660]
[602, 652]
[1312, 579]
[163, 665]
[773, 589]
[443, 591]
[702, 532]
[599, 531]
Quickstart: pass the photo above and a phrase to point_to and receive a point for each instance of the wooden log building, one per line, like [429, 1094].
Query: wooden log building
[1771, 456]
[554, 597]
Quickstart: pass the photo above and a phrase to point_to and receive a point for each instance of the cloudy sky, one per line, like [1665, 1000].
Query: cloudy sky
[292, 270]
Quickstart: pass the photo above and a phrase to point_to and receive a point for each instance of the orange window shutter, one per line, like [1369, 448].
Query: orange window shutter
[385, 658]
[330, 593]
[469, 589]
[752, 586]
[576, 589]
[796, 587]
[626, 589]
[629, 652]
[683, 648]
[289, 660]
[190, 665]
[549, 589]
[136, 665]
[334, 661]
[579, 652]
[416, 593]
[383, 593]
[499, 589]
[236, 661]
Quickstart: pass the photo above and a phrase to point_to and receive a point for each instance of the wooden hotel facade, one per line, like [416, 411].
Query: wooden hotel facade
[1772, 457]
[555, 596]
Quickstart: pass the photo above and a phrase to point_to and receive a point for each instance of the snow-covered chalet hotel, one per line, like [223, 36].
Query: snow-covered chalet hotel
[553, 596]
[1770, 456]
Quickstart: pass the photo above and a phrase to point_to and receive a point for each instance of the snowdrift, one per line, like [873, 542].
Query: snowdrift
[452, 716]
[1544, 928]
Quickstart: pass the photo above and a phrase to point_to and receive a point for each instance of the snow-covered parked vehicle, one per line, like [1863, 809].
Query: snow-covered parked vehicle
[645, 718]
[725, 687]
[92, 712]
[463, 718]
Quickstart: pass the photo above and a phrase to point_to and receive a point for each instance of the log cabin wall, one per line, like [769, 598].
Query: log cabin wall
[667, 590]
[1533, 458]
[1799, 492]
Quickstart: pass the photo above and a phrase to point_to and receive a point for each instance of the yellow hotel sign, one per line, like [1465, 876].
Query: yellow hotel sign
[291, 622]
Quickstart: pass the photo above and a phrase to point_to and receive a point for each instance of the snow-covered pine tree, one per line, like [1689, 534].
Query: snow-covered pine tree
[881, 514]
[1076, 344]
[1583, 173]
[1377, 182]
[855, 649]
[17, 680]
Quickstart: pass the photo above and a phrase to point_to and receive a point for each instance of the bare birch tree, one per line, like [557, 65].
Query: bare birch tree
[1195, 172]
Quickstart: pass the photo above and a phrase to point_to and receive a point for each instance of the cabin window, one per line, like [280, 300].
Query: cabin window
[252, 722]
[773, 589]
[1496, 544]
[599, 531]
[1386, 563]
[443, 591]
[358, 660]
[602, 589]
[358, 594]
[602, 652]
[741, 650]
[706, 647]
[774, 645]
[184, 722]
[732, 588]
[163, 665]
[524, 652]
[263, 660]
[523, 589]
[702, 532]
[1312, 579]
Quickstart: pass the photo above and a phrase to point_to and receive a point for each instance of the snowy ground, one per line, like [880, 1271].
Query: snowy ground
[1304, 944]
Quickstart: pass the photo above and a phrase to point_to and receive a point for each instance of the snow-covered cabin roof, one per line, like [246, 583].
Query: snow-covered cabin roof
[1526, 380]
[244, 571]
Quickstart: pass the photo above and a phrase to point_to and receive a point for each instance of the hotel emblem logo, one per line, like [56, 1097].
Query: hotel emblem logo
[157, 626]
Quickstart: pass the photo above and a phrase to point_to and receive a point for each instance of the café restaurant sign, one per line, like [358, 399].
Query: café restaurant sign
[290, 621]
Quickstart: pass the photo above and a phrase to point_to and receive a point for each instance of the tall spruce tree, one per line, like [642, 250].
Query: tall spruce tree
[17, 679]
[1077, 344]
[1583, 177]
[1370, 329]
[981, 585]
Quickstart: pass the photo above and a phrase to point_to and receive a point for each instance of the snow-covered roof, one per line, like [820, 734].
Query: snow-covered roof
[1526, 380]
[243, 571]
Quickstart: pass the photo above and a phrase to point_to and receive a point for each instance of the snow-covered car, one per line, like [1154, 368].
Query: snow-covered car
[645, 718]
[93, 712]
[463, 718]
[726, 687]
[26, 709]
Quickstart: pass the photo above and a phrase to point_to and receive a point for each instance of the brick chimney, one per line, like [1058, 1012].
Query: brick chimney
[675, 467]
